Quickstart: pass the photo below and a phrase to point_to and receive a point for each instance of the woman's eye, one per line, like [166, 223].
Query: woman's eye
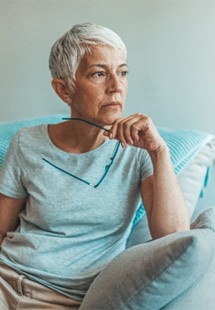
[98, 74]
[124, 72]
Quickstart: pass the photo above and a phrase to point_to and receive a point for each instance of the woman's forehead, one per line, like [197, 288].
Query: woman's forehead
[104, 55]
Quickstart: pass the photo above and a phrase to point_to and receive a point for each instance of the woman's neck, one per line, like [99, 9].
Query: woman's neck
[76, 136]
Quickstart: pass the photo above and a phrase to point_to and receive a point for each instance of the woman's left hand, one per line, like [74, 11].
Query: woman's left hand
[137, 130]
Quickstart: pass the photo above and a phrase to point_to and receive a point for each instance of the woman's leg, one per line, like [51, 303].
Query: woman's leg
[8, 296]
[19, 293]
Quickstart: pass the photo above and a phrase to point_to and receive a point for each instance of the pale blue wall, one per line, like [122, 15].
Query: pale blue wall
[171, 48]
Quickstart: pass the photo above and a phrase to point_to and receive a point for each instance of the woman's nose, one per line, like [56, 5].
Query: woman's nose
[114, 84]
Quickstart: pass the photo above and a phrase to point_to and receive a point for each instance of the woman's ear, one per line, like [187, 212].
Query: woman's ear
[61, 89]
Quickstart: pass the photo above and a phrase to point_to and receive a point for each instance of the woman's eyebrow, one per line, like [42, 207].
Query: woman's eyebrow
[105, 66]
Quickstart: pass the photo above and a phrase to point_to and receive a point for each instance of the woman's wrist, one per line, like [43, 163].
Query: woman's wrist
[160, 153]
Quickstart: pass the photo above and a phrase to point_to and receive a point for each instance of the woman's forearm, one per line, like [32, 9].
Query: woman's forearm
[169, 211]
[165, 205]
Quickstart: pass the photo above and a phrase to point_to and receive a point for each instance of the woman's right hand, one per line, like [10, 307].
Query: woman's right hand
[137, 130]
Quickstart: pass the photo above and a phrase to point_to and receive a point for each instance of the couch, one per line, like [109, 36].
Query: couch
[193, 156]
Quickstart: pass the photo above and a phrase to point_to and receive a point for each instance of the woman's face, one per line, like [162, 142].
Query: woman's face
[100, 86]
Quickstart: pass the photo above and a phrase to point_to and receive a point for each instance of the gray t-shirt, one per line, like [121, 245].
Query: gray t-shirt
[69, 230]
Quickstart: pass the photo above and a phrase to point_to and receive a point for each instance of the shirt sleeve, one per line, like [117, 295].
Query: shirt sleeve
[146, 168]
[10, 173]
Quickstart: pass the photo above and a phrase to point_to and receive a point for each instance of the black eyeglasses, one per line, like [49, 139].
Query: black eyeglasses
[107, 167]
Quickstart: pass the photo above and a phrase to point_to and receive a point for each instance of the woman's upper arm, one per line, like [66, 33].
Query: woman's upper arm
[9, 214]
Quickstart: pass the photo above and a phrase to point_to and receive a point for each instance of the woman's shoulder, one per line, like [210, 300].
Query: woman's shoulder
[29, 136]
[32, 129]
[32, 132]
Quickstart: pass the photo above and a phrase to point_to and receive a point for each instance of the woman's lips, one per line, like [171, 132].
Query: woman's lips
[112, 105]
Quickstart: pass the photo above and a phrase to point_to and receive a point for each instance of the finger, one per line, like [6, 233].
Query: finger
[127, 128]
[106, 133]
[113, 129]
[142, 125]
[120, 132]
[122, 128]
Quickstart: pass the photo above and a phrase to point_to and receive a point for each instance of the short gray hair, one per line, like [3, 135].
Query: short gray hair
[68, 50]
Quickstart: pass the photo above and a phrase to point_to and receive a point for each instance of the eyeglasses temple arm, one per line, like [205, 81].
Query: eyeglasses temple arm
[83, 120]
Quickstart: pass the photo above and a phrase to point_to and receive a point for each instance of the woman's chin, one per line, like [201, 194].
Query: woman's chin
[110, 118]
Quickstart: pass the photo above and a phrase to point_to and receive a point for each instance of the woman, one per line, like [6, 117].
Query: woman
[70, 191]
